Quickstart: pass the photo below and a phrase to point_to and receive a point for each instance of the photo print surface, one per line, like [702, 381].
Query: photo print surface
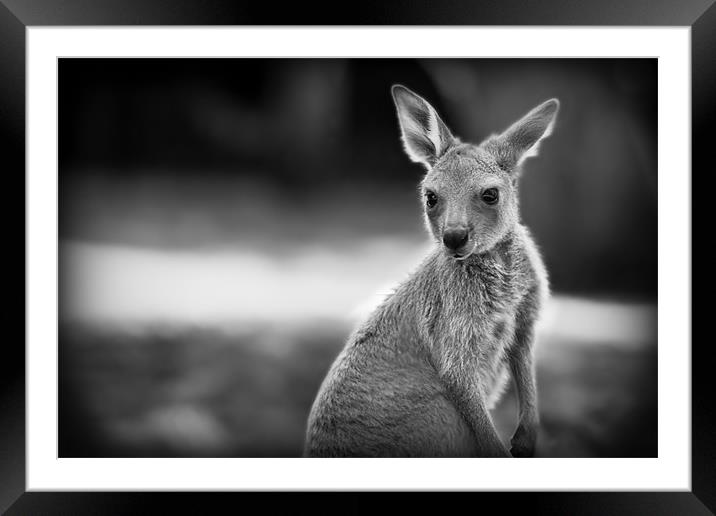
[226, 224]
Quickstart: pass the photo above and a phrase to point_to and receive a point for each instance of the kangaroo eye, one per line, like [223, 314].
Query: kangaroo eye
[490, 196]
[431, 199]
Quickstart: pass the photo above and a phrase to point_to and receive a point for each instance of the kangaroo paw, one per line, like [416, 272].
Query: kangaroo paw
[523, 442]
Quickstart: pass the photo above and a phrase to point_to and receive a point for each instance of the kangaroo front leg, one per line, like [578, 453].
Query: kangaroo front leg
[523, 372]
[468, 395]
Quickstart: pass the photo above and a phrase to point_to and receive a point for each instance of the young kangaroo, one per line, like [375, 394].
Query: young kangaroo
[419, 376]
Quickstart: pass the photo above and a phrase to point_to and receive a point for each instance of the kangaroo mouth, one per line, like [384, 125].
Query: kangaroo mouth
[461, 254]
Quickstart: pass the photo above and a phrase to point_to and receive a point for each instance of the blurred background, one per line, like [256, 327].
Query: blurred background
[225, 223]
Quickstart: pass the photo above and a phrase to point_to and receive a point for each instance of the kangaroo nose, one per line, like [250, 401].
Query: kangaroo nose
[455, 238]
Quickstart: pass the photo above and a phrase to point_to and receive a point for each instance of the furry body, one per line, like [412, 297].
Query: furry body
[384, 395]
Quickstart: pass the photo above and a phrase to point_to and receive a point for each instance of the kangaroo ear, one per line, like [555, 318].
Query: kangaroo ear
[522, 139]
[425, 136]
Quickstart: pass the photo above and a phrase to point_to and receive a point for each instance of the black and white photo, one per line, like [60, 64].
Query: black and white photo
[480, 235]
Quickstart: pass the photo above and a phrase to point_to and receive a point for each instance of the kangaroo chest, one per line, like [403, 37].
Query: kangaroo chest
[475, 322]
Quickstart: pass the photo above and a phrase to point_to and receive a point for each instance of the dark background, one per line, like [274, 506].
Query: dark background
[302, 125]
[162, 159]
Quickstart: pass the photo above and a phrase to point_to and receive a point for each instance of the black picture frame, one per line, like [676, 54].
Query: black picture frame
[17, 15]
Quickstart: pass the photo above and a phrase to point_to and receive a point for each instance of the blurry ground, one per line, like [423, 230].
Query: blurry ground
[220, 352]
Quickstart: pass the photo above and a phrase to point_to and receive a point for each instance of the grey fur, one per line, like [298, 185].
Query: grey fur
[419, 376]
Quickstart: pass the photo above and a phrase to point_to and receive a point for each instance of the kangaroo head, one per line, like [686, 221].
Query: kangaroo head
[469, 191]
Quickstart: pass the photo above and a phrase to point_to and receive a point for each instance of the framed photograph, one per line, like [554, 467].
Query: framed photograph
[277, 252]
